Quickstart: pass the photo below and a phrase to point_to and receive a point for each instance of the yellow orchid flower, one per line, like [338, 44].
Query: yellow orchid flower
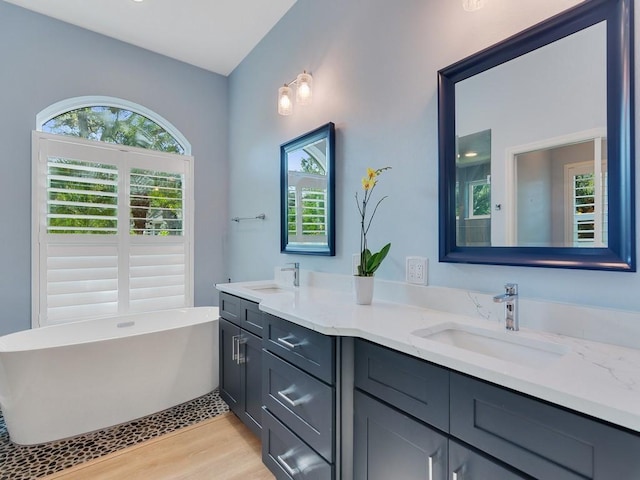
[369, 261]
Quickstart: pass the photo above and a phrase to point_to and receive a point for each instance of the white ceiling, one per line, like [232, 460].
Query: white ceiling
[212, 34]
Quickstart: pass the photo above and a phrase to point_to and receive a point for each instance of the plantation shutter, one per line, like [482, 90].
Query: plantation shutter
[112, 229]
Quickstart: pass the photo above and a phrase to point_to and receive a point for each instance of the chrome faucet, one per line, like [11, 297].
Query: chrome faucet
[295, 268]
[510, 300]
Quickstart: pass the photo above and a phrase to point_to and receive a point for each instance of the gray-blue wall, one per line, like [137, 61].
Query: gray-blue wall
[43, 61]
[374, 65]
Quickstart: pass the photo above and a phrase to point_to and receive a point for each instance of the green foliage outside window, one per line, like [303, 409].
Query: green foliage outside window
[83, 196]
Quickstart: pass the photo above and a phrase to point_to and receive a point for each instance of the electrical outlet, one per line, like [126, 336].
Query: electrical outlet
[417, 270]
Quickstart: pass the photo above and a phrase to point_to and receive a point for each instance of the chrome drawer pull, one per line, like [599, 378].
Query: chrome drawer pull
[430, 466]
[285, 341]
[457, 475]
[287, 467]
[294, 403]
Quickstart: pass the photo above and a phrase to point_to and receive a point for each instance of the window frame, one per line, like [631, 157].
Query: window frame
[39, 223]
[76, 103]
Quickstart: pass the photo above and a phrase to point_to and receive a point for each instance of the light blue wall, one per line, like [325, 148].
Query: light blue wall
[45, 61]
[374, 65]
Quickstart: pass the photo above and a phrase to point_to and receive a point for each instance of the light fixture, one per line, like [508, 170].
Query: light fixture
[285, 102]
[471, 5]
[304, 93]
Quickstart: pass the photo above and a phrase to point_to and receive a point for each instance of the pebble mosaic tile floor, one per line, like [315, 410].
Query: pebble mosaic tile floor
[32, 462]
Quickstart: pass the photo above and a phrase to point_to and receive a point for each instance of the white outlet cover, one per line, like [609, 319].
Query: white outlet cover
[416, 270]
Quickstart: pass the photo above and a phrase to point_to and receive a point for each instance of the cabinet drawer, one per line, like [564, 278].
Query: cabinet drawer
[300, 401]
[410, 384]
[230, 308]
[252, 318]
[311, 351]
[466, 463]
[288, 457]
[243, 313]
[541, 440]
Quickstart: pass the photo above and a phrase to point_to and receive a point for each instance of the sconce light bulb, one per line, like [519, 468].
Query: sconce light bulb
[284, 101]
[304, 92]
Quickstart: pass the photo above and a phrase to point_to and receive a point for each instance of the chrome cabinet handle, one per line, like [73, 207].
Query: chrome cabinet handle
[234, 353]
[285, 341]
[430, 467]
[240, 358]
[284, 394]
[282, 461]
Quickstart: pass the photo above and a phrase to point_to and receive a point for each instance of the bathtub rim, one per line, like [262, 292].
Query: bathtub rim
[9, 343]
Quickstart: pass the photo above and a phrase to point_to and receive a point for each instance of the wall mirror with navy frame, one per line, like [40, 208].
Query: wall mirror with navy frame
[307, 193]
[536, 146]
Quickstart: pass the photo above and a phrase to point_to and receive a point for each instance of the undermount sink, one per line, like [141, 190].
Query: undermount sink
[268, 289]
[507, 346]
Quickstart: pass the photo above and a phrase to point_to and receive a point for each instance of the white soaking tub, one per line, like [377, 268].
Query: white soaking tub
[64, 380]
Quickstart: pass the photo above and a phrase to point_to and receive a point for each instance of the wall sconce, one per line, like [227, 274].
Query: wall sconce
[304, 92]
[471, 5]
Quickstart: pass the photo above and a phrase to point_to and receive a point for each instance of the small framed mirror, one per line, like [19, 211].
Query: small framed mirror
[307, 193]
[536, 138]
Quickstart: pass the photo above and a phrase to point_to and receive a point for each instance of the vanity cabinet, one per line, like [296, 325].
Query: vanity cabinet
[483, 431]
[390, 444]
[300, 407]
[240, 357]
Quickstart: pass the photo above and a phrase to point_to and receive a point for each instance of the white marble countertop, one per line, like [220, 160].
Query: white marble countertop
[598, 379]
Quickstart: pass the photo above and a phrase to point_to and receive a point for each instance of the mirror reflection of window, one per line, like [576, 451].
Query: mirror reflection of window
[307, 194]
[560, 195]
[473, 189]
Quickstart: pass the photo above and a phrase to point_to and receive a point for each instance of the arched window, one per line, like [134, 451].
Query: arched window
[112, 120]
[112, 223]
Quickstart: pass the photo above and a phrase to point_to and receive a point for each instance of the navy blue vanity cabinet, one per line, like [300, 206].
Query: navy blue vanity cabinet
[542, 440]
[467, 463]
[410, 414]
[390, 444]
[299, 381]
[240, 357]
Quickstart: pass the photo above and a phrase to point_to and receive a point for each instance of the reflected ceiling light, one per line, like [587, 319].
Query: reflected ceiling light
[471, 154]
[304, 93]
[471, 5]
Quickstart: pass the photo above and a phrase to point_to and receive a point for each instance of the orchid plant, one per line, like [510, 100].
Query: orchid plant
[369, 262]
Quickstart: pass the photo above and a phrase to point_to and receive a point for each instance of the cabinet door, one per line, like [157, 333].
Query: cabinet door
[465, 464]
[542, 440]
[251, 379]
[230, 377]
[389, 444]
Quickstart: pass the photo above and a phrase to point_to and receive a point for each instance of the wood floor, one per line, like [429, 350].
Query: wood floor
[218, 449]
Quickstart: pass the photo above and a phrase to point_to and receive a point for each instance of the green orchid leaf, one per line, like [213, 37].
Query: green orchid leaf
[374, 260]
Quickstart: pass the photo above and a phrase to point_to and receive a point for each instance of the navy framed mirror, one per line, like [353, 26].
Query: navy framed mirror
[536, 146]
[307, 193]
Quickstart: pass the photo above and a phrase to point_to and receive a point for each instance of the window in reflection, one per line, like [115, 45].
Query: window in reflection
[473, 193]
[307, 194]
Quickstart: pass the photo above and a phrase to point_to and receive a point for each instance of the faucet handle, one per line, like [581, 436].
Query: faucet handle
[511, 289]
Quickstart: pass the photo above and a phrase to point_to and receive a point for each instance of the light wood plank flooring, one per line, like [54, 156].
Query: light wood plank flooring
[218, 449]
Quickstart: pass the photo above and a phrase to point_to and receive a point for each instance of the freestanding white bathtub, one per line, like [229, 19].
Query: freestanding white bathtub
[64, 380]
